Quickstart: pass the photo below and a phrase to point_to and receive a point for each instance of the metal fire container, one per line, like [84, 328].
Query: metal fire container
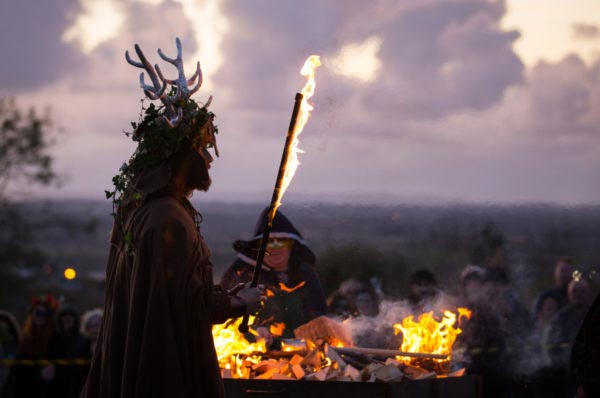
[450, 387]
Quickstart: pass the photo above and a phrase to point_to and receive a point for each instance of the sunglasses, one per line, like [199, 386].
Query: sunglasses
[278, 243]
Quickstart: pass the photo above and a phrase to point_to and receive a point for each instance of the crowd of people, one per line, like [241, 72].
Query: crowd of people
[49, 355]
[518, 351]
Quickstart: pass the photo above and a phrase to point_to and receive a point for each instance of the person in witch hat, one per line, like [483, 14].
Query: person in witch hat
[294, 293]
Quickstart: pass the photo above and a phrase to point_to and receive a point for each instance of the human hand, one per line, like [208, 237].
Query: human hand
[263, 333]
[253, 297]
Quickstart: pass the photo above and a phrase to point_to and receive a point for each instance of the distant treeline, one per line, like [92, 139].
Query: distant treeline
[387, 242]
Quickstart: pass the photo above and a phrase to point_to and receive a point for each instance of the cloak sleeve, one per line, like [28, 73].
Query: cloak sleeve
[222, 308]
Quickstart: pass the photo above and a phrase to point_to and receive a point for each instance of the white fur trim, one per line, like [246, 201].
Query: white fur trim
[287, 235]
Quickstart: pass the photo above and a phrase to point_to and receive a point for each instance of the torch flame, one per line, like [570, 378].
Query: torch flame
[308, 70]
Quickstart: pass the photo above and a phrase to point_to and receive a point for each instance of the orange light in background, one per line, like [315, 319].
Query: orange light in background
[70, 273]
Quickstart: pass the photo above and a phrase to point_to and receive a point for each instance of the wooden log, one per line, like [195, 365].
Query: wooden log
[313, 358]
[333, 374]
[334, 356]
[296, 360]
[320, 375]
[414, 372]
[457, 373]
[279, 376]
[322, 327]
[298, 372]
[268, 374]
[351, 361]
[388, 374]
[388, 353]
[352, 373]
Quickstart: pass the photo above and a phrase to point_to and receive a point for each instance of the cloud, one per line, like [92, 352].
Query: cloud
[564, 99]
[450, 113]
[33, 51]
[585, 31]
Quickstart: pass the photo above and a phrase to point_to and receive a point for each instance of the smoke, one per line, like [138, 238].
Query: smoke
[378, 331]
[500, 338]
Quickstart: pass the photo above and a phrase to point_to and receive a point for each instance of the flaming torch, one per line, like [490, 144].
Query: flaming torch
[289, 161]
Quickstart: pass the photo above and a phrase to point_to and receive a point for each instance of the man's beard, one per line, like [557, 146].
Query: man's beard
[199, 178]
[203, 185]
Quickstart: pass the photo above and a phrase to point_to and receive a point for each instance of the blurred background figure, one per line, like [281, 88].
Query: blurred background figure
[37, 333]
[562, 333]
[294, 293]
[472, 291]
[352, 299]
[585, 356]
[423, 290]
[555, 297]
[10, 336]
[90, 328]
[482, 339]
[69, 343]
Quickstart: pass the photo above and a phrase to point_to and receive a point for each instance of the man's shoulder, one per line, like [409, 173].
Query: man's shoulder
[165, 212]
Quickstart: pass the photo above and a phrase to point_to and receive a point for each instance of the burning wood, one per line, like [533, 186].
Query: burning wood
[320, 360]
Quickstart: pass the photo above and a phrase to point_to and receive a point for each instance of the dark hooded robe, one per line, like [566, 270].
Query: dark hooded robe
[296, 296]
[585, 354]
[160, 304]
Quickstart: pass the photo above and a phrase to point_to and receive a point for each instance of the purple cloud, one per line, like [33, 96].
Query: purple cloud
[31, 46]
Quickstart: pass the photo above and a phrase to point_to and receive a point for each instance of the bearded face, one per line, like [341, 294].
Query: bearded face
[198, 177]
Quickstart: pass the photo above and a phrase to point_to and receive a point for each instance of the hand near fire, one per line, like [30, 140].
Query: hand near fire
[253, 297]
[264, 334]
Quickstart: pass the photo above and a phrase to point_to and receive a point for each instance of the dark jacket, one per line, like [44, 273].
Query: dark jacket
[585, 356]
[295, 296]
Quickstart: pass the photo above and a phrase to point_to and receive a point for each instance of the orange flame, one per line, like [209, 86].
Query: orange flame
[429, 335]
[308, 70]
[231, 346]
[286, 289]
[277, 329]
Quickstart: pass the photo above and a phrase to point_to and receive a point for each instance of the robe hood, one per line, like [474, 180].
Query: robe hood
[247, 250]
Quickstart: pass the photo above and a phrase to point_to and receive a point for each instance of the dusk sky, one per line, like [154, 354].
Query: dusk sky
[417, 101]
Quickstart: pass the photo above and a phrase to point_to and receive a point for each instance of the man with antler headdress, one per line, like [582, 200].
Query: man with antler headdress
[160, 304]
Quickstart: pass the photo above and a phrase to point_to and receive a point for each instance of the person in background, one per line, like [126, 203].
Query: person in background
[563, 330]
[10, 336]
[37, 333]
[563, 273]
[294, 293]
[90, 328]
[68, 343]
[352, 299]
[482, 340]
[585, 355]
[423, 289]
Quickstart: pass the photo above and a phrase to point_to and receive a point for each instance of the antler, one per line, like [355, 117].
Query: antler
[158, 91]
[153, 92]
[181, 82]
